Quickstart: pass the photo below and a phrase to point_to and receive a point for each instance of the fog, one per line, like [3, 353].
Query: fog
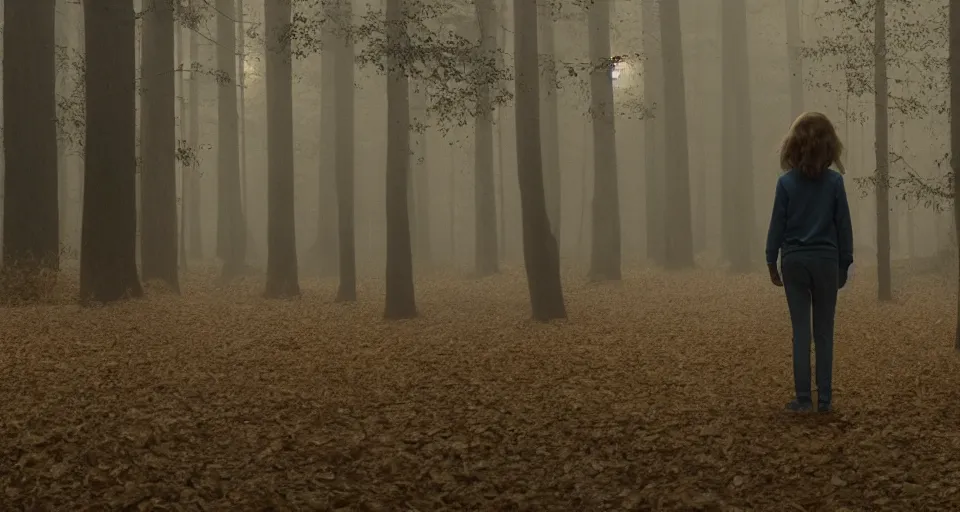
[835, 81]
[564, 204]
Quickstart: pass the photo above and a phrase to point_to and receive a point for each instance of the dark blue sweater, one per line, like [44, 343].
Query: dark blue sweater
[811, 216]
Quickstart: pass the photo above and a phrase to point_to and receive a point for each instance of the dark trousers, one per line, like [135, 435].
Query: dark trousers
[811, 283]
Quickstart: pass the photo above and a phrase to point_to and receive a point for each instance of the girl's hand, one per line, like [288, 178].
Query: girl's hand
[775, 275]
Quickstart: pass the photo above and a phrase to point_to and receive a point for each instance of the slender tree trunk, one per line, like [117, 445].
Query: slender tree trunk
[192, 188]
[418, 191]
[486, 257]
[955, 127]
[502, 237]
[63, 198]
[181, 140]
[231, 226]
[605, 247]
[31, 238]
[62, 39]
[344, 161]
[108, 265]
[282, 278]
[540, 252]
[654, 141]
[400, 300]
[884, 291]
[501, 143]
[549, 120]
[794, 59]
[702, 22]
[325, 250]
[737, 182]
[452, 205]
[679, 235]
[138, 115]
[158, 147]
[251, 254]
[586, 142]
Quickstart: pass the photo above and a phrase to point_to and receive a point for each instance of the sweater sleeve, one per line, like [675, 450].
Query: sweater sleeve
[778, 224]
[844, 225]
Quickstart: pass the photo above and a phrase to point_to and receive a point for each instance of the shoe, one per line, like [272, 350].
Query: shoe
[798, 406]
[824, 408]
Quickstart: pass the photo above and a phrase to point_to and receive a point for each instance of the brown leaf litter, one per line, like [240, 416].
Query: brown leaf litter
[660, 393]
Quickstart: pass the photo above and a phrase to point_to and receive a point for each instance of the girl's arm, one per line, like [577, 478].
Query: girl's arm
[778, 224]
[844, 226]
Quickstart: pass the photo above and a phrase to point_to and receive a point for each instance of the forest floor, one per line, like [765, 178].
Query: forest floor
[663, 392]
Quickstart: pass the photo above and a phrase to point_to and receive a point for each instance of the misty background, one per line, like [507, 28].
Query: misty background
[742, 62]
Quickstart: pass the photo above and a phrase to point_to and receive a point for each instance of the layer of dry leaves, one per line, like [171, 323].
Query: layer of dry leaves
[663, 392]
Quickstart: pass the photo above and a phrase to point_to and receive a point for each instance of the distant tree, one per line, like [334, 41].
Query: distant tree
[231, 225]
[242, 108]
[182, 163]
[344, 156]
[418, 189]
[868, 60]
[108, 267]
[325, 253]
[653, 133]
[66, 34]
[400, 299]
[192, 188]
[605, 254]
[30, 214]
[794, 57]
[955, 127]
[882, 146]
[679, 232]
[540, 252]
[158, 146]
[282, 280]
[429, 47]
[737, 219]
[486, 258]
[549, 111]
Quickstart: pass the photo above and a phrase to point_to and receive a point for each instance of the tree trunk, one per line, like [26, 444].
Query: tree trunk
[654, 126]
[702, 22]
[955, 127]
[605, 246]
[550, 122]
[679, 235]
[62, 39]
[884, 291]
[192, 188]
[158, 147]
[181, 139]
[282, 278]
[400, 300]
[452, 205]
[344, 161]
[419, 181]
[737, 181]
[231, 226]
[795, 61]
[31, 238]
[501, 142]
[108, 265]
[251, 253]
[325, 250]
[540, 251]
[63, 198]
[486, 257]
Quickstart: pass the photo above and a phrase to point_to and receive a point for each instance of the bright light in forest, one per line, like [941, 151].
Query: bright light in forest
[619, 68]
